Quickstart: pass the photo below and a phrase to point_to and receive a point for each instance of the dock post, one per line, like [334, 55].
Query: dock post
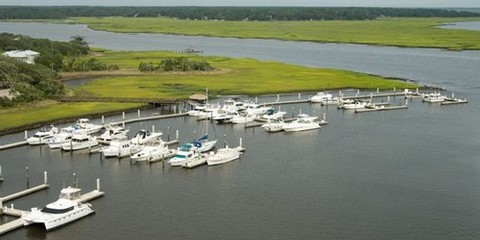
[138, 113]
[324, 117]
[453, 95]
[98, 184]
[153, 128]
[300, 111]
[174, 109]
[26, 134]
[358, 92]
[28, 177]
[256, 99]
[176, 135]
[168, 134]
[278, 97]
[103, 119]
[299, 96]
[123, 124]
[378, 90]
[45, 177]
[123, 115]
[388, 98]
[394, 89]
[240, 142]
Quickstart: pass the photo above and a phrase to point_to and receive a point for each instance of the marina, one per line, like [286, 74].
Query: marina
[383, 175]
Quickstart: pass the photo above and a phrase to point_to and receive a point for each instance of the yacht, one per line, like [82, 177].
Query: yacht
[111, 132]
[143, 136]
[153, 151]
[194, 161]
[271, 114]
[273, 125]
[224, 116]
[65, 210]
[255, 109]
[89, 128]
[64, 136]
[122, 147]
[203, 144]
[243, 118]
[233, 106]
[184, 152]
[79, 141]
[435, 97]
[325, 99]
[353, 104]
[223, 155]
[42, 136]
[302, 123]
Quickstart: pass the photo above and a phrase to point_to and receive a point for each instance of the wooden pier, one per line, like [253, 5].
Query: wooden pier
[13, 145]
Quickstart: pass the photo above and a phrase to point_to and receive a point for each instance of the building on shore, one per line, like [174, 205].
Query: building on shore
[27, 56]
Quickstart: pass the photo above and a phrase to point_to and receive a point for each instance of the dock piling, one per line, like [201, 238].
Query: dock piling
[103, 119]
[26, 134]
[168, 134]
[153, 128]
[123, 115]
[45, 177]
[176, 135]
[138, 113]
[98, 184]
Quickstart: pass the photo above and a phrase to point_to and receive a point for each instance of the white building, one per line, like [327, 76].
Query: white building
[27, 56]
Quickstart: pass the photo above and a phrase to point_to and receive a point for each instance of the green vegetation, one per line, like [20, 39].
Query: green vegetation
[49, 111]
[404, 32]
[233, 76]
[227, 13]
[182, 64]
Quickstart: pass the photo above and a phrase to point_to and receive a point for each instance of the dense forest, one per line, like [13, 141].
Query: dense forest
[227, 13]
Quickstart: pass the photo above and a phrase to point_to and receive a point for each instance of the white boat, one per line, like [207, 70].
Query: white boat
[42, 136]
[231, 105]
[243, 118]
[325, 99]
[274, 125]
[271, 114]
[64, 136]
[65, 210]
[203, 144]
[79, 141]
[153, 151]
[184, 152]
[435, 97]
[353, 104]
[122, 147]
[224, 116]
[89, 128]
[223, 155]
[111, 132]
[143, 136]
[255, 109]
[302, 123]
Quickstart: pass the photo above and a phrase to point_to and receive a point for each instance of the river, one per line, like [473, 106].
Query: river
[406, 174]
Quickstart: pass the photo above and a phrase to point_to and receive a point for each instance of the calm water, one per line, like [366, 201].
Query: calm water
[408, 174]
[463, 25]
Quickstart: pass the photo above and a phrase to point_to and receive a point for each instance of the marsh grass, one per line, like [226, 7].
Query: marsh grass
[403, 32]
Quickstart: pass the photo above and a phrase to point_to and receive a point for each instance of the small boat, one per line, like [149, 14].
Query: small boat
[203, 144]
[89, 128]
[271, 114]
[143, 136]
[231, 105]
[223, 155]
[79, 141]
[353, 104]
[243, 118]
[66, 209]
[255, 109]
[111, 132]
[64, 136]
[42, 136]
[273, 125]
[122, 147]
[320, 97]
[302, 123]
[224, 116]
[153, 151]
[184, 152]
[435, 97]
[195, 160]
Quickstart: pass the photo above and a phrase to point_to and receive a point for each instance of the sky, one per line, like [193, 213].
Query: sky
[321, 3]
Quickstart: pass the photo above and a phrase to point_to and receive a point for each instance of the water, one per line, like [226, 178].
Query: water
[475, 26]
[405, 174]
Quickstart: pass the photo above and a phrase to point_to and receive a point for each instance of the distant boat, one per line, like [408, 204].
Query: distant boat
[153, 151]
[302, 123]
[185, 152]
[121, 147]
[42, 136]
[111, 132]
[65, 210]
[79, 141]
[89, 128]
[435, 97]
[223, 155]
[273, 125]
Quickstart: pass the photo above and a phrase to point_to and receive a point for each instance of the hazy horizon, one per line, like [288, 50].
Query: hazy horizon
[254, 3]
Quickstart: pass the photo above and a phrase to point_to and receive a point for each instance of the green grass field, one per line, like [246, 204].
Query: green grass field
[234, 76]
[404, 32]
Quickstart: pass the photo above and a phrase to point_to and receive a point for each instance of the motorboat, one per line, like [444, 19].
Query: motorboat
[243, 118]
[302, 123]
[196, 110]
[232, 105]
[353, 104]
[274, 125]
[325, 99]
[194, 161]
[111, 132]
[153, 151]
[66, 209]
[89, 128]
[42, 136]
[224, 116]
[122, 147]
[271, 114]
[203, 144]
[79, 141]
[255, 109]
[143, 136]
[184, 152]
[64, 136]
[223, 155]
[435, 97]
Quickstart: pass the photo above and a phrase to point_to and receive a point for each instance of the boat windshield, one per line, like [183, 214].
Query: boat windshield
[56, 211]
[179, 156]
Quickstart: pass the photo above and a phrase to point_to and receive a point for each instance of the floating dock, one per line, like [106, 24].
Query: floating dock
[13, 145]
[454, 101]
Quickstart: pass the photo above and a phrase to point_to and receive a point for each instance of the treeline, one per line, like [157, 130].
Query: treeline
[180, 64]
[27, 82]
[227, 13]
